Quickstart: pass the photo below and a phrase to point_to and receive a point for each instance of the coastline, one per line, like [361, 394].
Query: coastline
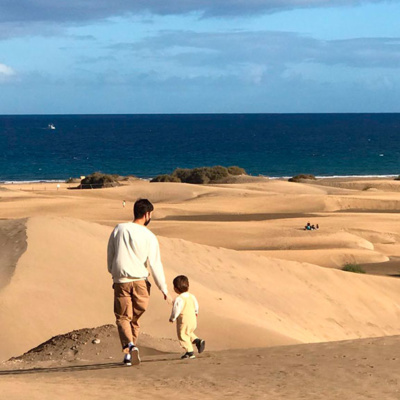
[278, 146]
[320, 177]
[23, 182]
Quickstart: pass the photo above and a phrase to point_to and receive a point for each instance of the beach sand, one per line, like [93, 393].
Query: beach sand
[281, 319]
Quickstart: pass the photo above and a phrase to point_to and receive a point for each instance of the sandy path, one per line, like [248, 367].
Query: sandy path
[361, 369]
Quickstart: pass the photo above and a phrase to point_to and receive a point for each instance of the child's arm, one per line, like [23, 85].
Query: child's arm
[176, 309]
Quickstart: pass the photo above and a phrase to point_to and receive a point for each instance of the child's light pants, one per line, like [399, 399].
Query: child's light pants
[185, 327]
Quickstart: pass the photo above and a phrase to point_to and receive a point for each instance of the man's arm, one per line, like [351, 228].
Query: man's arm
[156, 266]
[110, 252]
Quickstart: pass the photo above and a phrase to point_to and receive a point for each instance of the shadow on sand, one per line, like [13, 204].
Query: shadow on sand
[77, 368]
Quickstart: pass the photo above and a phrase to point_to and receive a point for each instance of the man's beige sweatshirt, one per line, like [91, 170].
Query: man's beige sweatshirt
[129, 248]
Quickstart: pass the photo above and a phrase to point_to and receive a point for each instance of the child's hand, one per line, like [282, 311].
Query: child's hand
[168, 299]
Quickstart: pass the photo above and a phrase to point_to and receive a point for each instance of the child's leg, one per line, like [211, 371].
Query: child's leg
[184, 337]
[193, 336]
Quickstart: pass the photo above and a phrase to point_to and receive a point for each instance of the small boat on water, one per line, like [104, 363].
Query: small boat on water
[51, 126]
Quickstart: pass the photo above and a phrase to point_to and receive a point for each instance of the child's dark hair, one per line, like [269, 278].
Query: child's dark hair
[181, 283]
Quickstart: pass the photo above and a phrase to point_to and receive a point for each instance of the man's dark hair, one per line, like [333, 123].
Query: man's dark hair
[141, 207]
[181, 283]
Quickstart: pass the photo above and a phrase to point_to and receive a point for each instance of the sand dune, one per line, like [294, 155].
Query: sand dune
[60, 283]
[364, 184]
[262, 236]
[328, 257]
[365, 203]
[261, 281]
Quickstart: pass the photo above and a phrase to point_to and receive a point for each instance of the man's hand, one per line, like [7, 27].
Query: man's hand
[170, 320]
[168, 298]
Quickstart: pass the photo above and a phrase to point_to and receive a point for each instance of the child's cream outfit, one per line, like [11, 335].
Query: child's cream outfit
[184, 312]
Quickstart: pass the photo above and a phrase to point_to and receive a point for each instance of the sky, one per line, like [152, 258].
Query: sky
[199, 56]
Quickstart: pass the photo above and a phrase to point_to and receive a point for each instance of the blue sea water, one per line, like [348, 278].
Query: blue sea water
[274, 145]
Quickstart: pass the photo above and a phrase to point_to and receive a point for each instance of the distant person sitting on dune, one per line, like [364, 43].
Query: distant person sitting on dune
[310, 227]
[130, 247]
[184, 312]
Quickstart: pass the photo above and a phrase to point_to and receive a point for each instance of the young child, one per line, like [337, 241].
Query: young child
[184, 312]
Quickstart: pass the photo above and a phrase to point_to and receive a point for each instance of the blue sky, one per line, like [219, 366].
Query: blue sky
[199, 56]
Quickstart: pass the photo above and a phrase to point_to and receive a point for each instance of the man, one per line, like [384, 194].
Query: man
[131, 248]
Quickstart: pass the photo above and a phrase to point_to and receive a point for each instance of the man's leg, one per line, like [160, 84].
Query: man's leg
[140, 301]
[123, 311]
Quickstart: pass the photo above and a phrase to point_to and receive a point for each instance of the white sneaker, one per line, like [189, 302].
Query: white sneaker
[128, 360]
[135, 355]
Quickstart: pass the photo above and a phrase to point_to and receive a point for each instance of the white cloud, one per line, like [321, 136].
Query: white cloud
[6, 73]
[255, 53]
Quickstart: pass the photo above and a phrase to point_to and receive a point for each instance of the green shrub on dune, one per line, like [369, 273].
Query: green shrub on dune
[207, 174]
[197, 176]
[236, 171]
[182, 174]
[301, 177]
[99, 180]
[166, 178]
[216, 173]
[357, 269]
[201, 175]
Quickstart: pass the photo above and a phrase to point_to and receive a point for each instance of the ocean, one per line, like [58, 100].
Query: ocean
[274, 145]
